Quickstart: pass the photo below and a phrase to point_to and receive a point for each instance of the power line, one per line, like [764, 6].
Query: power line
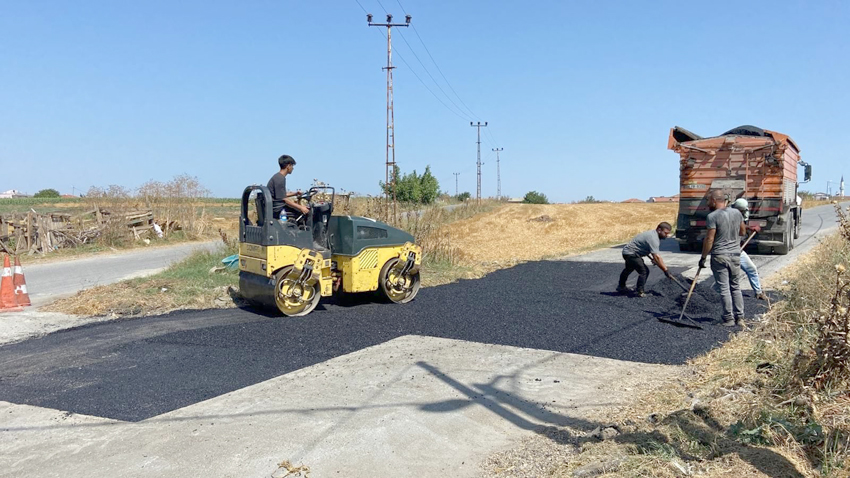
[438, 66]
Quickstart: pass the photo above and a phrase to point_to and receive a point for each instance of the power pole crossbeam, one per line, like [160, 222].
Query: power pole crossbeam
[478, 161]
[390, 152]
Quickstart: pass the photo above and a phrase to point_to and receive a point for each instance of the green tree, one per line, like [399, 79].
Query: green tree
[46, 193]
[534, 197]
[412, 187]
[429, 187]
[589, 200]
[463, 196]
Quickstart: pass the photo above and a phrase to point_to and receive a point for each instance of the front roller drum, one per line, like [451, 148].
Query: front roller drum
[296, 293]
[399, 282]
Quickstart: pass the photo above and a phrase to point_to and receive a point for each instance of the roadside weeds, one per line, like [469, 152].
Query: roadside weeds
[773, 401]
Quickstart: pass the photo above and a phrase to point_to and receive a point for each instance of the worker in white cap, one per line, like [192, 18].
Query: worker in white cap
[747, 264]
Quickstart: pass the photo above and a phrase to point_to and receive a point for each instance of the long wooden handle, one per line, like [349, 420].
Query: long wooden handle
[690, 292]
[748, 240]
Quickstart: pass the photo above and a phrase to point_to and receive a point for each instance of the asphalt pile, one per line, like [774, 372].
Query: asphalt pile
[138, 368]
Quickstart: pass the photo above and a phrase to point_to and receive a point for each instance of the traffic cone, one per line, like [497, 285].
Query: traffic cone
[7, 287]
[20, 283]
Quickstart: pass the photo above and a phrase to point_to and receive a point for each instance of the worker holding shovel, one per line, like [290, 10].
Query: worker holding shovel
[725, 226]
[644, 244]
[747, 264]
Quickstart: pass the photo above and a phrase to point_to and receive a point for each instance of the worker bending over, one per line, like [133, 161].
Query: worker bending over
[725, 226]
[644, 244]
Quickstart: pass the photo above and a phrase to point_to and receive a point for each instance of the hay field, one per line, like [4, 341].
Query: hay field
[526, 232]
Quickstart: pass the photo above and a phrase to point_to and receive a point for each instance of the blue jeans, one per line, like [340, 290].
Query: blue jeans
[749, 268]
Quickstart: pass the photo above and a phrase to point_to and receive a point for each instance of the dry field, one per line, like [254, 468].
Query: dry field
[528, 232]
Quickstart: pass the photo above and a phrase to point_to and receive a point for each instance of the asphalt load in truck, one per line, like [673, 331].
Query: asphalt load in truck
[138, 368]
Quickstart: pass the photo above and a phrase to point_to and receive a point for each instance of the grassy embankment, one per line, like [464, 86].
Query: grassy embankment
[468, 241]
[773, 401]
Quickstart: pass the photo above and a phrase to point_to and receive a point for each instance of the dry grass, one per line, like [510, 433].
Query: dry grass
[528, 232]
[753, 407]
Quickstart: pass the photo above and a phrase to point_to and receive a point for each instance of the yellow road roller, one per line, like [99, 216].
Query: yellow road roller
[291, 264]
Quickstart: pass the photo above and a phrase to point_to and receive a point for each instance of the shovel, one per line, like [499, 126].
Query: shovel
[690, 292]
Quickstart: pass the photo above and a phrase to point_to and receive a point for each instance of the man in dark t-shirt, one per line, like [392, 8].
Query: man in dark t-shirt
[277, 187]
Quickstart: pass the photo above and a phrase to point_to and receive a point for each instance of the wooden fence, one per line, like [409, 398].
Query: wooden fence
[33, 232]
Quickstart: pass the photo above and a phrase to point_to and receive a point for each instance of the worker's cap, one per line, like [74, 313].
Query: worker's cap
[741, 204]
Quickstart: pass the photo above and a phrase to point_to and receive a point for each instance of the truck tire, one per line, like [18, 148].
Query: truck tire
[787, 240]
[797, 226]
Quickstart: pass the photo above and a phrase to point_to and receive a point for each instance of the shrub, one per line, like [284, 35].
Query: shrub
[46, 193]
[534, 197]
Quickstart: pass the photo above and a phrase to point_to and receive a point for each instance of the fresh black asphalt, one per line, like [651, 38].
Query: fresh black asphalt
[138, 368]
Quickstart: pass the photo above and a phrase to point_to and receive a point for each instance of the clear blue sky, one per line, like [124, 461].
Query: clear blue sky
[580, 94]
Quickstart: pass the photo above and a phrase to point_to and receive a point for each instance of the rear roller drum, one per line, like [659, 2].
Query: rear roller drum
[295, 298]
[396, 285]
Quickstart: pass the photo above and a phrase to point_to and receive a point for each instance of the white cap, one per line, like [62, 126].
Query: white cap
[741, 204]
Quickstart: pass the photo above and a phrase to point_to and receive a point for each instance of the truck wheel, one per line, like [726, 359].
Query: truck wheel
[797, 227]
[396, 287]
[787, 240]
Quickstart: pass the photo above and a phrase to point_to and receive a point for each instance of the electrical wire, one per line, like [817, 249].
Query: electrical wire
[438, 66]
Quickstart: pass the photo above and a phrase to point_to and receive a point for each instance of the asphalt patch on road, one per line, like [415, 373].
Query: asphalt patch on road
[135, 369]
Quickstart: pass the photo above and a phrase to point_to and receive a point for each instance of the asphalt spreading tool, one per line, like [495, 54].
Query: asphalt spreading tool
[690, 322]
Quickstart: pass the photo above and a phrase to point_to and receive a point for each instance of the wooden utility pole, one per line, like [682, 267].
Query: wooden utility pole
[390, 155]
[478, 162]
[498, 174]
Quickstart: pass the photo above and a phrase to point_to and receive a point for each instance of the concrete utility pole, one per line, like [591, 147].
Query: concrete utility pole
[456, 175]
[498, 174]
[390, 156]
[841, 187]
[478, 162]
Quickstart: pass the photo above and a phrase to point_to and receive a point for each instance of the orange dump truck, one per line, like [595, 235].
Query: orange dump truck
[748, 162]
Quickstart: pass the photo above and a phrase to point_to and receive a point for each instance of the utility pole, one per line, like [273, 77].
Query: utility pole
[390, 156]
[478, 162]
[498, 175]
[456, 175]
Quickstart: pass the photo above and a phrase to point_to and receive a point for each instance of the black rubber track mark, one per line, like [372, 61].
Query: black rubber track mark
[135, 369]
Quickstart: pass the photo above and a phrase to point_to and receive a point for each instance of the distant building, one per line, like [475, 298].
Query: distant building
[634, 200]
[515, 200]
[68, 196]
[820, 196]
[12, 193]
[664, 199]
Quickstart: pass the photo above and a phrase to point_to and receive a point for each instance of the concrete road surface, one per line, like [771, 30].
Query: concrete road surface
[54, 280]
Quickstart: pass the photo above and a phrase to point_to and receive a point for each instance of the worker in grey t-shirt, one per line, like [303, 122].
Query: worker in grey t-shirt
[725, 226]
[644, 244]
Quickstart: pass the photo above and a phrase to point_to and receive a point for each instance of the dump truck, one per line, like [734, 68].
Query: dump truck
[744, 162]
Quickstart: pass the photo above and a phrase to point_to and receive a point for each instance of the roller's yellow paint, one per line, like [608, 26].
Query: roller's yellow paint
[360, 273]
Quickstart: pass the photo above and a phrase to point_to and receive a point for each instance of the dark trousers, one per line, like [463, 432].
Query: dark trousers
[634, 263]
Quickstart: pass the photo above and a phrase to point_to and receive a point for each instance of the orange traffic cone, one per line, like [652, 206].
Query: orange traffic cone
[20, 283]
[7, 288]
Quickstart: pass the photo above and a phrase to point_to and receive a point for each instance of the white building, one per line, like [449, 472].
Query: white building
[12, 193]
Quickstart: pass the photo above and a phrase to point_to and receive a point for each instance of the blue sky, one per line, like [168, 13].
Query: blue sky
[580, 94]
